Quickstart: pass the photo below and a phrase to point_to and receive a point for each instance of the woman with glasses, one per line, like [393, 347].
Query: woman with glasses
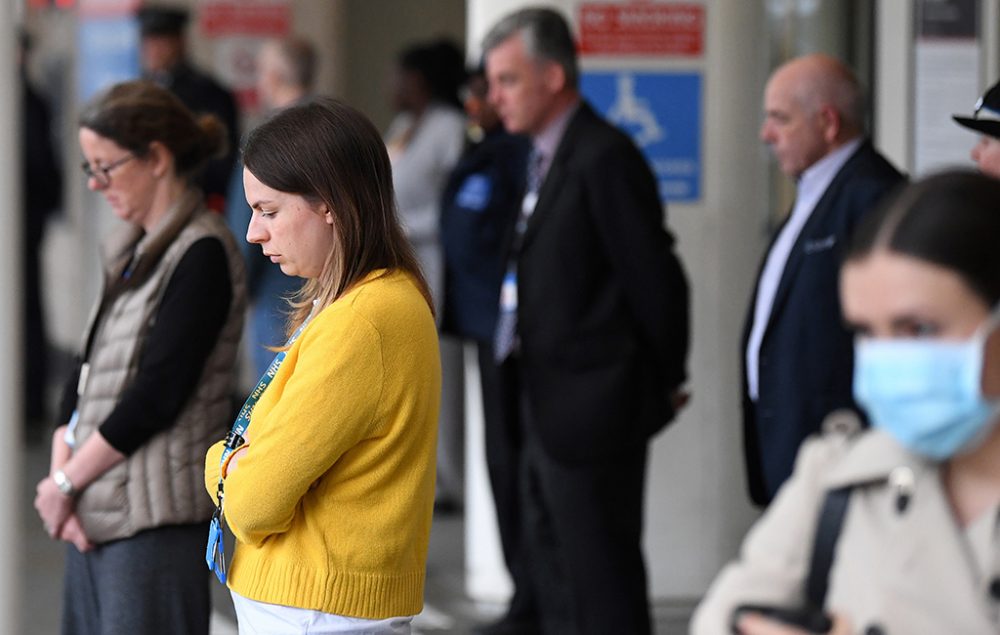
[896, 529]
[155, 379]
[327, 478]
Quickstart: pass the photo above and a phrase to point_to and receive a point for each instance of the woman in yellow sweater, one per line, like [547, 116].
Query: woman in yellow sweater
[327, 480]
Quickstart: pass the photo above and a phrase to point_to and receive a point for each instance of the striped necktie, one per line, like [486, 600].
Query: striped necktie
[505, 336]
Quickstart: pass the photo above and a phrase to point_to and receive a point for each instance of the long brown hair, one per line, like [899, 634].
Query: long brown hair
[327, 152]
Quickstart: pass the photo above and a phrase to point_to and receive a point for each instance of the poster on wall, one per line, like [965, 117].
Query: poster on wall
[107, 45]
[641, 28]
[662, 113]
[642, 69]
[946, 81]
[239, 28]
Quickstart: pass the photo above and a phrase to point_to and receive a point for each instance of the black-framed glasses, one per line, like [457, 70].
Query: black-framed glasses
[102, 173]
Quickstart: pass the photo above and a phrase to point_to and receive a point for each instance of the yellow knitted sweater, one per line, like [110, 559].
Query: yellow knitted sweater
[331, 501]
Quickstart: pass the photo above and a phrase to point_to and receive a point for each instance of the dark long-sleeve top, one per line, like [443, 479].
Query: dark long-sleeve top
[188, 321]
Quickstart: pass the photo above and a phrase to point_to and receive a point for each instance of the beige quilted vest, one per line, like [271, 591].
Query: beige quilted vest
[162, 483]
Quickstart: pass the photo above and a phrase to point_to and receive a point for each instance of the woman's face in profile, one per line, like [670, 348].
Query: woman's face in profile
[126, 181]
[292, 232]
[887, 295]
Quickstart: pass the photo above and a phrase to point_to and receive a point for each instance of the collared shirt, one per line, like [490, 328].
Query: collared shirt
[809, 190]
[547, 141]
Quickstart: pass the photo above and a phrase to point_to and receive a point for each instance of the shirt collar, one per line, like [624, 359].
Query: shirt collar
[818, 176]
[547, 141]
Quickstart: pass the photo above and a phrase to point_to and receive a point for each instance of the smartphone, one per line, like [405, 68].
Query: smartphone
[809, 620]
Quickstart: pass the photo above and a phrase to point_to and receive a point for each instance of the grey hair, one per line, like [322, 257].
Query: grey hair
[547, 37]
[298, 61]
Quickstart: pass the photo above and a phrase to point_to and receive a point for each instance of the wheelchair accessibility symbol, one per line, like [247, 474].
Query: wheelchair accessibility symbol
[661, 111]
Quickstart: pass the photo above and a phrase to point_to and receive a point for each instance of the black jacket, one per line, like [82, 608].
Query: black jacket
[203, 94]
[602, 298]
[479, 206]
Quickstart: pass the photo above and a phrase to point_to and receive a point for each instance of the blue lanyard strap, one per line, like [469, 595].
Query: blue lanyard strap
[215, 555]
[235, 437]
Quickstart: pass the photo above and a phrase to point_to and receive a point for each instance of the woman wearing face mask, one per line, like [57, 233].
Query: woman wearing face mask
[918, 547]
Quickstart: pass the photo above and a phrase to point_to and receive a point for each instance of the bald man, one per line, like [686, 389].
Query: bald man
[798, 356]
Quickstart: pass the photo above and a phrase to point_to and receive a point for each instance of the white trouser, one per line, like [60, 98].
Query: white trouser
[260, 618]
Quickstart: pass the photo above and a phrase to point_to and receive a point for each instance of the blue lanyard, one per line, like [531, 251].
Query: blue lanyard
[235, 437]
[215, 555]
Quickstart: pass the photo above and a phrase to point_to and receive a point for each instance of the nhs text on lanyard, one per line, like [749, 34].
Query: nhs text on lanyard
[215, 552]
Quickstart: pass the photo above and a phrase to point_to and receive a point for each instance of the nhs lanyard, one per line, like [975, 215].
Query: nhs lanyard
[215, 552]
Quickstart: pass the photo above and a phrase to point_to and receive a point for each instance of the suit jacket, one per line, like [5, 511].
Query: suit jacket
[602, 299]
[806, 357]
[905, 568]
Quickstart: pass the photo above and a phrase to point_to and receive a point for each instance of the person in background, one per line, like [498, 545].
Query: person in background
[153, 388]
[165, 62]
[42, 195]
[797, 354]
[592, 334]
[330, 496]
[480, 204]
[425, 141]
[985, 120]
[914, 545]
[286, 72]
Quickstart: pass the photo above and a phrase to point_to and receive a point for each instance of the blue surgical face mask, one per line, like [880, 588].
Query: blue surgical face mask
[926, 393]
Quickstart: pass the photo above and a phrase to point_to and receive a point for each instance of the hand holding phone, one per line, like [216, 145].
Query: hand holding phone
[808, 619]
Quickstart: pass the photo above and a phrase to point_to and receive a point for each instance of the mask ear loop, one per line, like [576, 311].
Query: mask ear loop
[982, 336]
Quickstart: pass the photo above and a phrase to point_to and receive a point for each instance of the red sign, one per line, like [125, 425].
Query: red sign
[245, 18]
[642, 28]
[104, 8]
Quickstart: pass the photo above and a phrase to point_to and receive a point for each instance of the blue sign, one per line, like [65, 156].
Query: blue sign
[109, 53]
[661, 111]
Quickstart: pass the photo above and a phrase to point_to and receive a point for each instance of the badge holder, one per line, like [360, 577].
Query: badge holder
[215, 553]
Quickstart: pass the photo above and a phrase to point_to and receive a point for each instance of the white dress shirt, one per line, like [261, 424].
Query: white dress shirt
[808, 191]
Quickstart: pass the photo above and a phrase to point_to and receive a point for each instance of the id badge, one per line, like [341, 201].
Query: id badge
[215, 552]
[508, 292]
[69, 436]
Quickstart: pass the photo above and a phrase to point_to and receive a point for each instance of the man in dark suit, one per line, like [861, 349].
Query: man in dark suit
[165, 62]
[797, 353]
[592, 334]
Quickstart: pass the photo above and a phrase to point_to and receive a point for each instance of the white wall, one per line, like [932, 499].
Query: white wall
[11, 424]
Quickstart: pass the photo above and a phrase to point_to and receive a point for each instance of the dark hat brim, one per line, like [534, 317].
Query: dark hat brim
[162, 20]
[985, 126]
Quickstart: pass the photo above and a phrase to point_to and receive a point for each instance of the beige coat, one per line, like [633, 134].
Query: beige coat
[909, 572]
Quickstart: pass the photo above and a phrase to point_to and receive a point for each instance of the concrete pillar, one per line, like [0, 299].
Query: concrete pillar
[11, 581]
[893, 85]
